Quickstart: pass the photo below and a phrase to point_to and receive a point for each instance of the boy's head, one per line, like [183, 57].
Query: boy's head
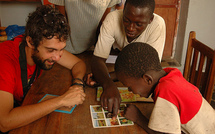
[150, 4]
[45, 23]
[137, 14]
[135, 67]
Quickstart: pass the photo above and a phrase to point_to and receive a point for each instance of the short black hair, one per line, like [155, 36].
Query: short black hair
[46, 22]
[136, 59]
[150, 4]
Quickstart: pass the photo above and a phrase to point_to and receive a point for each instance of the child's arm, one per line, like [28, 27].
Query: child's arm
[134, 114]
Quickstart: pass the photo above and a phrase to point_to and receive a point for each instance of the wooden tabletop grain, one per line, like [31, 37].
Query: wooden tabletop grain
[57, 81]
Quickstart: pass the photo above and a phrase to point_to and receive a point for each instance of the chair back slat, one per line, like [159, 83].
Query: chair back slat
[199, 66]
[210, 83]
[200, 70]
[193, 67]
[188, 57]
[206, 74]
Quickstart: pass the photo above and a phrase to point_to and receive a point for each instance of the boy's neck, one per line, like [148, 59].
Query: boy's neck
[157, 75]
[161, 74]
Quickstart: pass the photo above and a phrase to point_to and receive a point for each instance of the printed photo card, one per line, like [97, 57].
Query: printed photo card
[102, 118]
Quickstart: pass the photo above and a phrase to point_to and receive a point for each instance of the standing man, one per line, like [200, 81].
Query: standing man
[84, 18]
[136, 23]
[21, 59]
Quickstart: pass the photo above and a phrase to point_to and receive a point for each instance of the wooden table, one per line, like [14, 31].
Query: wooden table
[56, 81]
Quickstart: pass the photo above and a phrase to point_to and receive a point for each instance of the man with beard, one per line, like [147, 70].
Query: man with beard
[21, 60]
[136, 23]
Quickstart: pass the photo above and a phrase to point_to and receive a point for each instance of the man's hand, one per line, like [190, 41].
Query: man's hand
[110, 99]
[74, 96]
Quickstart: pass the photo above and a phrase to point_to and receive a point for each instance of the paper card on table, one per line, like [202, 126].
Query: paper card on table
[62, 109]
[111, 59]
[102, 118]
[126, 96]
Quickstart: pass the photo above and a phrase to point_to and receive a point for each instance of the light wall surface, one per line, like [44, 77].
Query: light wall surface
[16, 12]
[201, 19]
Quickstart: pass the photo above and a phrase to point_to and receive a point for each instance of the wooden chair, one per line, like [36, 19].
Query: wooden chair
[199, 66]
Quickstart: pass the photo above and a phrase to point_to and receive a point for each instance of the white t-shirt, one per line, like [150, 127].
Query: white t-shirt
[201, 123]
[83, 17]
[179, 106]
[112, 33]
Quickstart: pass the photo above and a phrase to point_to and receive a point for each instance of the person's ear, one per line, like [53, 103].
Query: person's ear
[148, 79]
[29, 42]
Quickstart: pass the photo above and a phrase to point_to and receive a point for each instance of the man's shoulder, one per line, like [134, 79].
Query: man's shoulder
[157, 25]
[117, 14]
[10, 48]
[158, 20]
[113, 20]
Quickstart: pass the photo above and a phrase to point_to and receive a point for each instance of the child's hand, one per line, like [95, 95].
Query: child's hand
[132, 113]
[89, 80]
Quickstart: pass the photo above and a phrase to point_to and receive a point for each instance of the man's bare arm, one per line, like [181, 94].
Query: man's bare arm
[110, 97]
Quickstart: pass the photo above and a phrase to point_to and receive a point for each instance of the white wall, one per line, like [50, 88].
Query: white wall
[16, 12]
[201, 19]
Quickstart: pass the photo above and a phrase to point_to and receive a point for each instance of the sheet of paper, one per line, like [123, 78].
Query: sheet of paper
[111, 59]
[102, 118]
[62, 109]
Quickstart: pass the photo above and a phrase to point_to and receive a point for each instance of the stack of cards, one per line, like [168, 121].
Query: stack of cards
[62, 109]
[102, 118]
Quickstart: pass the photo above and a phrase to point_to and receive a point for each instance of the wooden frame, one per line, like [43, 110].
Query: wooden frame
[199, 66]
[169, 10]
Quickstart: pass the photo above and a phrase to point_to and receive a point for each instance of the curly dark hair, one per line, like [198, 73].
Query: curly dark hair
[150, 4]
[136, 59]
[46, 22]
